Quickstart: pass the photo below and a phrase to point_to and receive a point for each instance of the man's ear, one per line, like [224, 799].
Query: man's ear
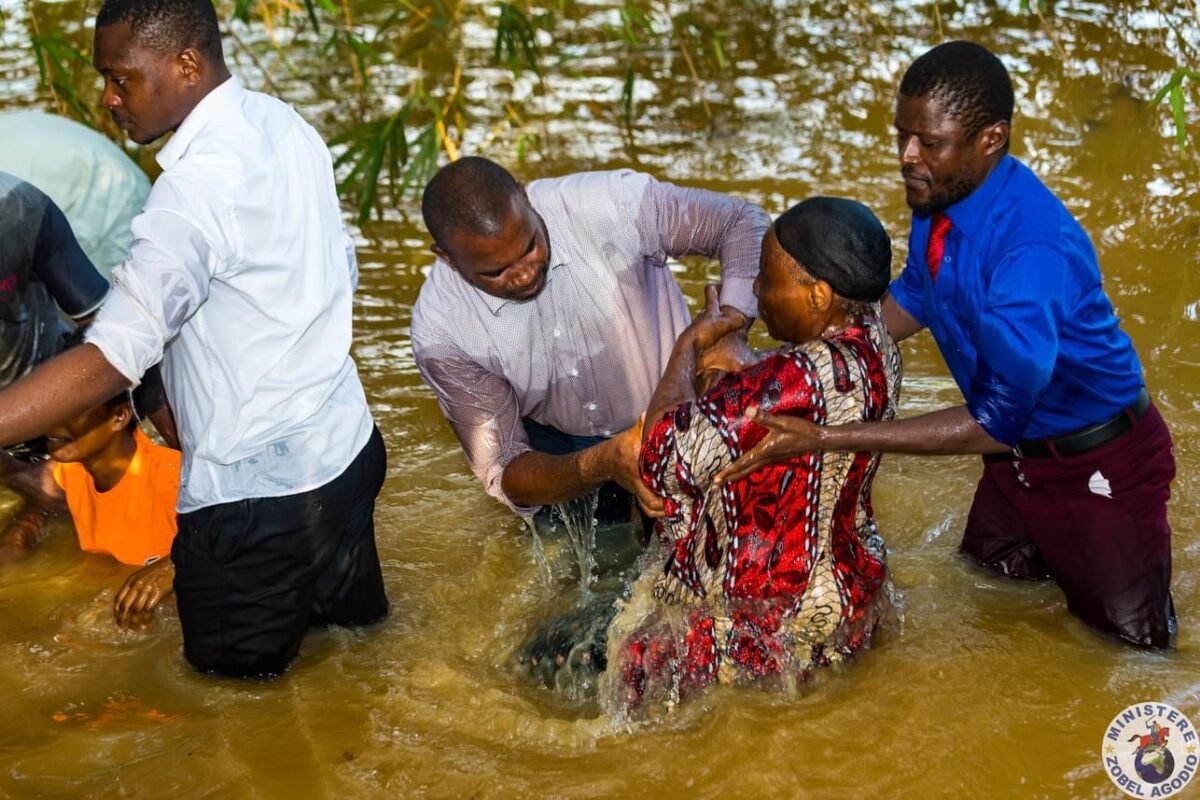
[122, 416]
[191, 67]
[442, 254]
[994, 138]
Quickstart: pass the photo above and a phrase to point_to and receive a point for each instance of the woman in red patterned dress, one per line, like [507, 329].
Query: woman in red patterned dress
[782, 571]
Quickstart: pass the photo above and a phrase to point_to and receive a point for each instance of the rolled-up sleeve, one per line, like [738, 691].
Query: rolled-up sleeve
[1028, 298]
[482, 409]
[699, 222]
[908, 290]
[160, 286]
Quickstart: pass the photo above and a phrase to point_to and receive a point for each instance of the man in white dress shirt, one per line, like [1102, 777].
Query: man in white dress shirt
[240, 278]
[549, 316]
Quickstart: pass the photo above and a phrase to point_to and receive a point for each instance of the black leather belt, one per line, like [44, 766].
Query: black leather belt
[1072, 444]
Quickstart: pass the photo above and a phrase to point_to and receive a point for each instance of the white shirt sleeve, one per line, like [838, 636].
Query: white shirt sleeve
[482, 409]
[160, 286]
[351, 258]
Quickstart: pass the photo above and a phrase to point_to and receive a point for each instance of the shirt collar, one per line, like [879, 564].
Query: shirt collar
[973, 213]
[218, 103]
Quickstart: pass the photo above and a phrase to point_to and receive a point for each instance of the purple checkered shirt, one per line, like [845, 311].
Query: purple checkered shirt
[585, 355]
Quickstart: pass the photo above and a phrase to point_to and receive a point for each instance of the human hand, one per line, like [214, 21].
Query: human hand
[731, 353]
[713, 323]
[628, 448]
[786, 437]
[134, 604]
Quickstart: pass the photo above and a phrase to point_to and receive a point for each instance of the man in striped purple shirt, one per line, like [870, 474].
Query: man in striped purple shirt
[547, 320]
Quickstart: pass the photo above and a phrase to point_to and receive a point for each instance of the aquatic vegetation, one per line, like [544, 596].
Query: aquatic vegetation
[1174, 90]
[411, 81]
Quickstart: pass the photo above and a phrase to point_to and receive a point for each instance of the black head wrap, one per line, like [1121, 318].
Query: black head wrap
[841, 242]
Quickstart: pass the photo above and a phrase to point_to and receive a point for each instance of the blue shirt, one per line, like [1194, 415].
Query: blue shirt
[1019, 312]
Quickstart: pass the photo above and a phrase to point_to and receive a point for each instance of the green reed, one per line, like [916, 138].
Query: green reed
[388, 143]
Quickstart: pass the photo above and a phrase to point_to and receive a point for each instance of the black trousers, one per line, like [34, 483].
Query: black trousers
[252, 576]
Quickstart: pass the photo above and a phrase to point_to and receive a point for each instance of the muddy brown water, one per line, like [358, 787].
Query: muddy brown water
[987, 689]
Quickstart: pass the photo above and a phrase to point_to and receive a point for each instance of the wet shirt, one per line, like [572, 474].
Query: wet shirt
[97, 186]
[134, 521]
[1019, 312]
[42, 269]
[241, 280]
[784, 569]
[585, 355]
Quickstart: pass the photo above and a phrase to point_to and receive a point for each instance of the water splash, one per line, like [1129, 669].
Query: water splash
[539, 553]
[578, 517]
[578, 520]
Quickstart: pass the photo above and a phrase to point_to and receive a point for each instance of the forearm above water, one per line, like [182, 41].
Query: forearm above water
[57, 390]
[951, 431]
[536, 479]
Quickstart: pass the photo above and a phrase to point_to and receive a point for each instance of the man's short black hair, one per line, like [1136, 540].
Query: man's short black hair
[971, 83]
[471, 195]
[168, 26]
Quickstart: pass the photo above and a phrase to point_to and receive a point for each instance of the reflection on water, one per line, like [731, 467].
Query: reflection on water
[991, 689]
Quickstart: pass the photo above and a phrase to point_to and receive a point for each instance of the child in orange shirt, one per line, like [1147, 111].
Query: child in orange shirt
[121, 490]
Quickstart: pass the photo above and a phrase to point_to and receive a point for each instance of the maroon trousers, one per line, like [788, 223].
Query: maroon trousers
[1095, 522]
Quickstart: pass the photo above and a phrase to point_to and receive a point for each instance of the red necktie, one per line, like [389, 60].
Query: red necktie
[937, 243]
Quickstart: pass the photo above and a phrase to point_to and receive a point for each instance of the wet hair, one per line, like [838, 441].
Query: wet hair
[470, 196]
[841, 242]
[971, 83]
[168, 26]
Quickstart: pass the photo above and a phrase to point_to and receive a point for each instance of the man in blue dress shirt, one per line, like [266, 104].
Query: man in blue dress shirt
[1077, 460]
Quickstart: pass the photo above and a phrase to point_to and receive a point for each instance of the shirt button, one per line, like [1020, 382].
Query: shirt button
[947, 259]
[574, 373]
[557, 332]
[591, 406]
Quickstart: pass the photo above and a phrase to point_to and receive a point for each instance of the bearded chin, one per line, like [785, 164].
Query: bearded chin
[955, 191]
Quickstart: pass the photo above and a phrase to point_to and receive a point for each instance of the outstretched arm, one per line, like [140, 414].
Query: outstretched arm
[483, 410]
[951, 431]
[159, 288]
[56, 391]
[697, 221]
[534, 479]
[1029, 296]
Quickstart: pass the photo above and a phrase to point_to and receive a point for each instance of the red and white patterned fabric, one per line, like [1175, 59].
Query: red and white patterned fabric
[783, 570]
